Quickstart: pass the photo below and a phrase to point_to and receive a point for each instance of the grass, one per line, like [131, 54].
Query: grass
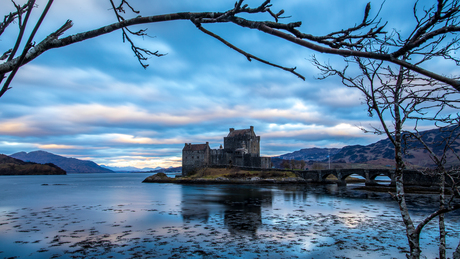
[236, 173]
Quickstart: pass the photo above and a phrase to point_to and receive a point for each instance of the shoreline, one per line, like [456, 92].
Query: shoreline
[163, 178]
[222, 180]
[283, 181]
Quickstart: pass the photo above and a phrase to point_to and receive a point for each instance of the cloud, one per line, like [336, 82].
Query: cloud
[340, 97]
[15, 128]
[54, 146]
[71, 78]
[342, 130]
[130, 139]
[93, 100]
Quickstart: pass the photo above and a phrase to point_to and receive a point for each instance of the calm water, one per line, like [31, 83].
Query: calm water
[117, 216]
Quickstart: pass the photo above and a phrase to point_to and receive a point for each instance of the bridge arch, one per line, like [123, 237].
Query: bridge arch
[326, 174]
[345, 173]
[353, 177]
[375, 173]
[384, 180]
[411, 177]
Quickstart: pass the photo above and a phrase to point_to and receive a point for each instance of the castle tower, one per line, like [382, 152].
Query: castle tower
[194, 157]
[243, 138]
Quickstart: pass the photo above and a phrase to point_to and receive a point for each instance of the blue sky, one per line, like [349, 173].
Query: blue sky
[92, 100]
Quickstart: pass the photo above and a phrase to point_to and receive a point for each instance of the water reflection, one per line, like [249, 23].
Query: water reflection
[240, 207]
[118, 217]
[294, 194]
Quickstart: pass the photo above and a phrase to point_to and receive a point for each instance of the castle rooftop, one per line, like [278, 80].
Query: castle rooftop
[240, 132]
[195, 147]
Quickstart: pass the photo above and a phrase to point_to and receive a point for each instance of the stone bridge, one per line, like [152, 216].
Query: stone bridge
[411, 177]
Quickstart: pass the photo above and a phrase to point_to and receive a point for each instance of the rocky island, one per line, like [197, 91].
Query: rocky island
[230, 176]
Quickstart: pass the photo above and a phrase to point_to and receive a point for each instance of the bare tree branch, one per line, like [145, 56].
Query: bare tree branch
[28, 45]
[9, 18]
[11, 53]
[247, 55]
[138, 51]
[346, 42]
[435, 214]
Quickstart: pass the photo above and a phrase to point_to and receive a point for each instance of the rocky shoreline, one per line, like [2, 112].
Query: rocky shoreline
[162, 178]
[223, 180]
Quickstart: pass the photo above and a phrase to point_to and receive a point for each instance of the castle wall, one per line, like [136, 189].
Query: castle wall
[265, 162]
[194, 159]
[218, 157]
[255, 146]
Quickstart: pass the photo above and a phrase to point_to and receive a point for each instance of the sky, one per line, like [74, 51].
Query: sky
[92, 100]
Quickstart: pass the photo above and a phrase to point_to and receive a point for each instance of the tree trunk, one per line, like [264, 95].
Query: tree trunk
[442, 227]
[413, 236]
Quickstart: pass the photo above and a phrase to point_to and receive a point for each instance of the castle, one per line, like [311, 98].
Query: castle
[241, 148]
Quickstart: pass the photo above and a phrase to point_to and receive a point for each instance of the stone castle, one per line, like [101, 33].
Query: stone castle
[241, 149]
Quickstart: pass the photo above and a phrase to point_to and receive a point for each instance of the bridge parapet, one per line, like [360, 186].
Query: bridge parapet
[411, 177]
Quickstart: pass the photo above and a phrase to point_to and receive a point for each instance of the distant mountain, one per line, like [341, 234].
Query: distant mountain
[381, 152]
[129, 168]
[12, 166]
[415, 154]
[361, 154]
[306, 154]
[311, 154]
[167, 170]
[70, 165]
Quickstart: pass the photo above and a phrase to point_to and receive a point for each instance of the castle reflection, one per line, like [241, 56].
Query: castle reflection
[241, 208]
[238, 208]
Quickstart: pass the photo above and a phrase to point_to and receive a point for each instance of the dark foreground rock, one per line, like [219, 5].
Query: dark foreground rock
[162, 178]
[12, 166]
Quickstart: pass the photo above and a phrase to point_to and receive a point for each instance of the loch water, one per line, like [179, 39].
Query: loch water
[117, 216]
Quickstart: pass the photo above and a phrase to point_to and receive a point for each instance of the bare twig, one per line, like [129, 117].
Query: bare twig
[9, 18]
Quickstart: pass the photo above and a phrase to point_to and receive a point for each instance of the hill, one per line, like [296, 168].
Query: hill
[311, 154]
[70, 165]
[129, 168]
[12, 166]
[415, 153]
[380, 153]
